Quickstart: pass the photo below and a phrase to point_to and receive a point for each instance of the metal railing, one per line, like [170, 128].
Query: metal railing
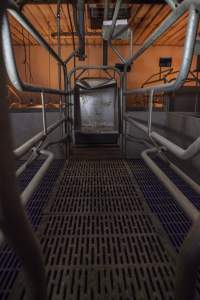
[106, 70]
[189, 258]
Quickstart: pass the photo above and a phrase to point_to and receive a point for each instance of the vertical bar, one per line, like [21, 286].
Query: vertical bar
[151, 97]
[44, 119]
[105, 53]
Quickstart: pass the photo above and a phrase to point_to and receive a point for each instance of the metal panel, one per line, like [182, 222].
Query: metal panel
[97, 107]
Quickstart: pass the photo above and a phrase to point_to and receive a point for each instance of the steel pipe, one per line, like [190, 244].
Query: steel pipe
[17, 14]
[191, 34]
[179, 152]
[166, 24]
[190, 210]
[22, 150]
[33, 185]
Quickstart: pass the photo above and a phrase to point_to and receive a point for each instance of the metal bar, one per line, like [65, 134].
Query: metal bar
[172, 3]
[166, 24]
[190, 210]
[114, 20]
[74, 53]
[151, 97]
[192, 29]
[81, 30]
[24, 166]
[11, 65]
[179, 152]
[117, 53]
[195, 186]
[169, 71]
[93, 67]
[14, 223]
[44, 118]
[105, 53]
[32, 186]
[17, 14]
[22, 150]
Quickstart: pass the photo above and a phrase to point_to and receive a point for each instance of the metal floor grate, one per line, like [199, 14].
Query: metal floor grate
[9, 263]
[98, 239]
[171, 216]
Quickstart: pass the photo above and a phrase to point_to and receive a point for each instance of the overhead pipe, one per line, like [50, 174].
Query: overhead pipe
[13, 220]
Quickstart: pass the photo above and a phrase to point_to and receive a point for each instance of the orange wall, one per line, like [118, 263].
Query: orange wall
[144, 67]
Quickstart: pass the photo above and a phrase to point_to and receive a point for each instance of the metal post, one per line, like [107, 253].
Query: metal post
[44, 119]
[151, 97]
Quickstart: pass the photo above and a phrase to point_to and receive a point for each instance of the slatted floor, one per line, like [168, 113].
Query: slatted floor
[98, 238]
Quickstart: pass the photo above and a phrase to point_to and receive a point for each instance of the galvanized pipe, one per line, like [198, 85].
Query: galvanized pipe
[11, 66]
[44, 118]
[13, 220]
[22, 150]
[33, 185]
[183, 154]
[190, 210]
[191, 34]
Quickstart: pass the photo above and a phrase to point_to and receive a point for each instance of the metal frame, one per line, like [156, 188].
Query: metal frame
[105, 69]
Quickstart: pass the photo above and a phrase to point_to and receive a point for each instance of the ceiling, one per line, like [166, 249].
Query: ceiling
[145, 18]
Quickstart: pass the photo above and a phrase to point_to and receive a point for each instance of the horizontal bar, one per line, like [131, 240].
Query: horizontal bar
[33, 185]
[22, 150]
[190, 210]
[183, 154]
[94, 67]
[186, 60]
